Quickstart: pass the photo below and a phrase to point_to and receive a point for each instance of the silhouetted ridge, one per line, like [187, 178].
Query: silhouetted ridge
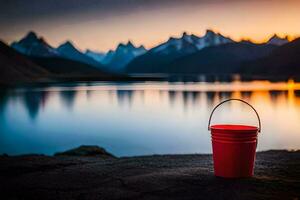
[15, 68]
[284, 60]
[220, 59]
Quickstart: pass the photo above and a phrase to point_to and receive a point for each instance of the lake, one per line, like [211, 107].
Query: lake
[143, 118]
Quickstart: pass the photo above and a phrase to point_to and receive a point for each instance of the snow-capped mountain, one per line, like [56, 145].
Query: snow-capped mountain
[276, 40]
[123, 54]
[98, 56]
[67, 50]
[32, 45]
[174, 48]
[190, 43]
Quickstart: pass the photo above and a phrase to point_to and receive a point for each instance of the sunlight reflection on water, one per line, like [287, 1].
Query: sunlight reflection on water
[143, 118]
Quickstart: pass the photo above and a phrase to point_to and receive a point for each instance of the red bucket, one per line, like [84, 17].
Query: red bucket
[234, 147]
[233, 139]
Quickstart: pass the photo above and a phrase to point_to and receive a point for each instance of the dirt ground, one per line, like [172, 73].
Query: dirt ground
[277, 176]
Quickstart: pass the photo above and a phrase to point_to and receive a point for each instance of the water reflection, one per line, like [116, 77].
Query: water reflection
[35, 100]
[68, 98]
[125, 97]
[134, 119]
[32, 102]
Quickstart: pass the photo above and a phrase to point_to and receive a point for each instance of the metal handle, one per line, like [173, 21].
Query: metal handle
[259, 128]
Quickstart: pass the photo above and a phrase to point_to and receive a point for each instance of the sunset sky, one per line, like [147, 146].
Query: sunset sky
[102, 24]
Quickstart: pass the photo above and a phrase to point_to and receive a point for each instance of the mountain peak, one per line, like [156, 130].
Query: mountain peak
[33, 45]
[31, 35]
[121, 45]
[129, 44]
[276, 40]
[185, 35]
[68, 49]
[142, 47]
[171, 39]
[66, 45]
[209, 32]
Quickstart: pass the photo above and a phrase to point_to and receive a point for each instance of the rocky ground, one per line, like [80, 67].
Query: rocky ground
[277, 176]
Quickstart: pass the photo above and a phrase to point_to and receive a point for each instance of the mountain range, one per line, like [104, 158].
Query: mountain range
[155, 59]
[127, 57]
[114, 60]
[222, 59]
[212, 53]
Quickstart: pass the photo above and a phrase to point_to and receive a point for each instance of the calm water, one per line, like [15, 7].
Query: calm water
[143, 118]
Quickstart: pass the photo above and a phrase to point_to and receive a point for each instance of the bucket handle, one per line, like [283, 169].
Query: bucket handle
[210, 117]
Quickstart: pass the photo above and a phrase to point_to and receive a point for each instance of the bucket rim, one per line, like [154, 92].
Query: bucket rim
[234, 127]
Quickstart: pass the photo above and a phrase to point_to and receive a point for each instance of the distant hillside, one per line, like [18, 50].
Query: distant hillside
[285, 60]
[18, 68]
[15, 67]
[63, 66]
[221, 59]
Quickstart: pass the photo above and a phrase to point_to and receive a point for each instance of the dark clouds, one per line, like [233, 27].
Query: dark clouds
[21, 11]
[18, 11]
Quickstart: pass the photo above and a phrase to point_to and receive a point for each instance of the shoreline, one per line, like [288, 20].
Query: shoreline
[186, 176]
[6, 155]
[160, 77]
